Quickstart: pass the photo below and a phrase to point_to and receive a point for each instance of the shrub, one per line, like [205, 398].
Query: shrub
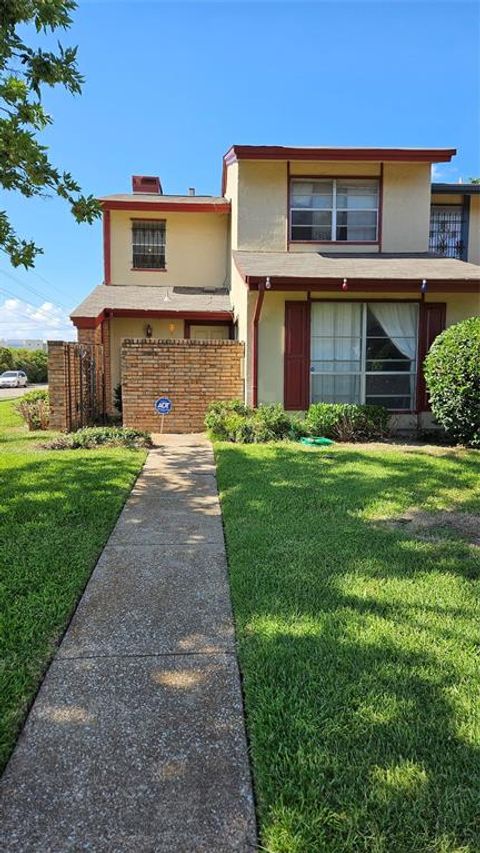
[117, 398]
[347, 421]
[452, 374]
[34, 407]
[220, 419]
[89, 437]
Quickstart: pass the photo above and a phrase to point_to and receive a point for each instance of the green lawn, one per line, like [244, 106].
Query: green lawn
[57, 509]
[358, 644]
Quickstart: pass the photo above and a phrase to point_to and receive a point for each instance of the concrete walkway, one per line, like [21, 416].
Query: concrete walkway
[136, 740]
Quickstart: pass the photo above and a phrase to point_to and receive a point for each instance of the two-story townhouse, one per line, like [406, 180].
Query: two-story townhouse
[336, 266]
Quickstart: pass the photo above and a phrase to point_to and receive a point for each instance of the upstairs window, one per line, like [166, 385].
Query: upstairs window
[148, 242]
[334, 210]
[447, 227]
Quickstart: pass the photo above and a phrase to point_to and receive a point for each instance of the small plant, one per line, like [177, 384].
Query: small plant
[34, 408]
[347, 421]
[452, 374]
[117, 398]
[90, 437]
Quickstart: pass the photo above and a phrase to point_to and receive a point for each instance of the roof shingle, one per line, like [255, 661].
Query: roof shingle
[148, 298]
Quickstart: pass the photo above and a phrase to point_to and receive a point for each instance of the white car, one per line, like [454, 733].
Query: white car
[13, 379]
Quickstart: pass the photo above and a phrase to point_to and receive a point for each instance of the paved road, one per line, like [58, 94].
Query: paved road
[8, 393]
[136, 740]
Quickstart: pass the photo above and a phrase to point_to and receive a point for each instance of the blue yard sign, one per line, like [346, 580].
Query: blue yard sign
[163, 406]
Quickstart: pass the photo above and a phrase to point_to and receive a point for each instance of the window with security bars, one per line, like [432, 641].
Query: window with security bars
[364, 353]
[148, 243]
[446, 231]
[334, 210]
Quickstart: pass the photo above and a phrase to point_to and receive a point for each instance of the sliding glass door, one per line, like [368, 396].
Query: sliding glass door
[364, 353]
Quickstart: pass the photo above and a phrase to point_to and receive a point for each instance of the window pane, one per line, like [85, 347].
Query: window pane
[403, 403]
[357, 194]
[148, 243]
[395, 384]
[331, 366]
[357, 225]
[313, 194]
[335, 389]
[307, 234]
[397, 322]
[393, 365]
[312, 217]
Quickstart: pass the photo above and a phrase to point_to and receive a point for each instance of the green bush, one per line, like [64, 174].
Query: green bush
[347, 421]
[34, 408]
[33, 362]
[89, 437]
[452, 374]
[221, 418]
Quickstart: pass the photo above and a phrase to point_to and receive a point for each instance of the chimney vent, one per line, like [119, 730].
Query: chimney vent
[191, 190]
[146, 184]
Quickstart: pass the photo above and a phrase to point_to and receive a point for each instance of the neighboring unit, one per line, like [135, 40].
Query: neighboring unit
[337, 268]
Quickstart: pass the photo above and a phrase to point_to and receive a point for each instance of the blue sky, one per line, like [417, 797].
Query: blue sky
[170, 86]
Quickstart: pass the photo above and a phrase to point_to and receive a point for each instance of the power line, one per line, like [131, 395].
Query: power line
[33, 290]
[45, 311]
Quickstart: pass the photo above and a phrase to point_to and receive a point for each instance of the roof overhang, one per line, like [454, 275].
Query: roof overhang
[108, 313]
[455, 189]
[385, 155]
[361, 285]
[163, 205]
[341, 154]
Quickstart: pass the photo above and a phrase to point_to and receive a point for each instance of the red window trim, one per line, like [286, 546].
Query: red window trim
[376, 242]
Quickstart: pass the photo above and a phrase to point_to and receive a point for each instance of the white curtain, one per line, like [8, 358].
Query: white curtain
[400, 324]
[336, 331]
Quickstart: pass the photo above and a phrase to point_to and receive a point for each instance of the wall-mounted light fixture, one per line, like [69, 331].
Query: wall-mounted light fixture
[171, 328]
[148, 330]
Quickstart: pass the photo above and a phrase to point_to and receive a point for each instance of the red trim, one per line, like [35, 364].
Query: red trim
[289, 178]
[368, 285]
[194, 316]
[337, 177]
[432, 321]
[296, 359]
[163, 205]
[279, 152]
[256, 318]
[107, 271]
[380, 210]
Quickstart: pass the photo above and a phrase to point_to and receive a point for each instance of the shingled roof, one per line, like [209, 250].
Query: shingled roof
[380, 266]
[144, 298]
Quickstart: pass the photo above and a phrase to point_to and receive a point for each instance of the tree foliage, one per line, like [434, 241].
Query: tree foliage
[452, 374]
[24, 71]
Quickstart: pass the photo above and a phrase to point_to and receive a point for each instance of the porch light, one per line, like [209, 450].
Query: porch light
[148, 330]
[268, 283]
[345, 284]
[171, 328]
[423, 287]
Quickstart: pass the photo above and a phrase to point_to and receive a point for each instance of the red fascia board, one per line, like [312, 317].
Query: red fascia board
[183, 207]
[93, 322]
[278, 152]
[365, 285]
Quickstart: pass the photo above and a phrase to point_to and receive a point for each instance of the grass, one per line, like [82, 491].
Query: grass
[358, 646]
[56, 512]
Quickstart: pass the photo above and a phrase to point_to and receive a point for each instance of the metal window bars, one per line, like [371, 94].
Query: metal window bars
[148, 244]
[447, 231]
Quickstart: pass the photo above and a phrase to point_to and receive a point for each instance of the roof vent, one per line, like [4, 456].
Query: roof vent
[146, 184]
[191, 190]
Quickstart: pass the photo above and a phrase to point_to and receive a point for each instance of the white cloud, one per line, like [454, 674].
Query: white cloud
[19, 319]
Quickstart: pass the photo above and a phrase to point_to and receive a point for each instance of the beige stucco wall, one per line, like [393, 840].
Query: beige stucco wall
[134, 327]
[406, 207]
[262, 206]
[259, 194]
[196, 249]
[272, 339]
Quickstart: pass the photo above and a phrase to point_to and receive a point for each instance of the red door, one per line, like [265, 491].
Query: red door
[297, 355]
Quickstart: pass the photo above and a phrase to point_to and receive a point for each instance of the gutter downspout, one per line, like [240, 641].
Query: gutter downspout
[256, 318]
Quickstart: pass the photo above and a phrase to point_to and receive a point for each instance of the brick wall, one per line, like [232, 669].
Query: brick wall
[75, 384]
[191, 372]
